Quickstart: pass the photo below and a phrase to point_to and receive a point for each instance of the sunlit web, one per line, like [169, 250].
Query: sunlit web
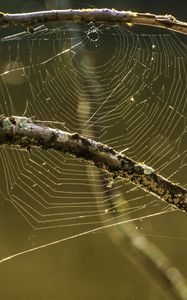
[106, 82]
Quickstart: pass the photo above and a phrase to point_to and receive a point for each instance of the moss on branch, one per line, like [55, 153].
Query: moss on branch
[24, 133]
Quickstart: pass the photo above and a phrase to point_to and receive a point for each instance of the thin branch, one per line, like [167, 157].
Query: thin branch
[96, 15]
[23, 132]
[139, 250]
[145, 254]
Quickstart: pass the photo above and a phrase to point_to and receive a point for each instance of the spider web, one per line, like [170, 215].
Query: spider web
[119, 87]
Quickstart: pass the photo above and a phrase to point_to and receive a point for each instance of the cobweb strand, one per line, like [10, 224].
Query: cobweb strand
[23, 132]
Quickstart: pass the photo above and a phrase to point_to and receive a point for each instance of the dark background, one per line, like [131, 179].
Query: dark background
[159, 7]
[91, 267]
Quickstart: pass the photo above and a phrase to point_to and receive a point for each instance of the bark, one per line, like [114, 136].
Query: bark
[94, 15]
[24, 133]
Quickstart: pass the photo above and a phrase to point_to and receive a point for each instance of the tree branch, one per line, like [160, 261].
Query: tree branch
[23, 132]
[151, 261]
[96, 15]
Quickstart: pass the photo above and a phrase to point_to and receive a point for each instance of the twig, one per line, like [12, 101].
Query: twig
[151, 261]
[140, 251]
[23, 132]
[96, 15]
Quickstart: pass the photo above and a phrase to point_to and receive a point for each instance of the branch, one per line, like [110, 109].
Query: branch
[23, 132]
[96, 15]
[151, 261]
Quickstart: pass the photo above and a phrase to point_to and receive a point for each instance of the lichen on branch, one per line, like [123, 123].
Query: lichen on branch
[25, 133]
[94, 15]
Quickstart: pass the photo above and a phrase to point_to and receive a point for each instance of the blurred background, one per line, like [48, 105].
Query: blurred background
[91, 266]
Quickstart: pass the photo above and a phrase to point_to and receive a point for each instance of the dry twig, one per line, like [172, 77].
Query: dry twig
[94, 15]
[23, 132]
